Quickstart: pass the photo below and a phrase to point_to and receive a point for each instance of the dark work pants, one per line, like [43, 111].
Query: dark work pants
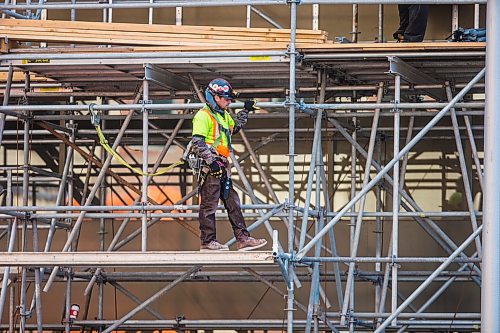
[412, 22]
[210, 193]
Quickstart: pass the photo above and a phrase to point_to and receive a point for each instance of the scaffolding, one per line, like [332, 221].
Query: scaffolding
[360, 124]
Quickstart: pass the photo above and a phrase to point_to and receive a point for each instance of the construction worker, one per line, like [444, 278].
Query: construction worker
[213, 127]
[412, 23]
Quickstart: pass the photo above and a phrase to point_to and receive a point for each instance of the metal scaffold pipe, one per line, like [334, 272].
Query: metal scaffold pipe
[291, 165]
[424, 285]
[390, 164]
[188, 3]
[125, 208]
[385, 259]
[145, 55]
[265, 105]
[490, 287]
[152, 129]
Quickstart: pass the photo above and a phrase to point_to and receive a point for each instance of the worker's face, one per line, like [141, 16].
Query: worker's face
[222, 102]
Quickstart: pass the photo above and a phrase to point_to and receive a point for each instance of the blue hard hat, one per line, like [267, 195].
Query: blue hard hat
[221, 87]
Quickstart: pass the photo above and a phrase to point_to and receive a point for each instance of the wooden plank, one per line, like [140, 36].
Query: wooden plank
[144, 36]
[20, 77]
[55, 38]
[215, 30]
[398, 46]
[95, 39]
[138, 259]
[6, 46]
[179, 30]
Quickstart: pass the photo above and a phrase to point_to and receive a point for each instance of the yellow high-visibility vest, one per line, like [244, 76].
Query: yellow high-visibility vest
[208, 124]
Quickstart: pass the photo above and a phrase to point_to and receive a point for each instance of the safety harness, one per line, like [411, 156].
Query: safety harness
[95, 119]
[220, 129]
[197, 165]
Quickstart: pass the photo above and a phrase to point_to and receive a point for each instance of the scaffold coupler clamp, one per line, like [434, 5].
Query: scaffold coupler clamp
[282, 259]
[145, 211]
[287, 102]
[297, 54]
[394, 263]
[386, 85]
[95, 116]
[322, 212]
[179, 326]
[396, 108]
[350, 317]
[286, 205]
[301, 105]
[145, 104]
[101, 278]
[24, 312]
[452, 85]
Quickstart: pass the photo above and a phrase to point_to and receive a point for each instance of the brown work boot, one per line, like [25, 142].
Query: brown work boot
[214, 246]
[250, 243]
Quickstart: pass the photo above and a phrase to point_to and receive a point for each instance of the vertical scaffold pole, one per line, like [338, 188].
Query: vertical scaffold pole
[355, 22]
[102, 201]
[349, 288]
[178, 15]
[316, 160]
[315, 16]
[395, 196]
[145, 139]
[249, 13]
[291, 158]
[13, 225]
[476, 15]
[150, 13]
[6, 96]
[381, 38]
[490, 287]
[25, 202]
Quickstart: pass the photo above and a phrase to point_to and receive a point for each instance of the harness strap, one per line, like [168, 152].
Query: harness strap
[104, 143]
[220, 128]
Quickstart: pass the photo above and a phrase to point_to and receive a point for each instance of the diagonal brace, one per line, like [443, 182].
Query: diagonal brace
[391, 163]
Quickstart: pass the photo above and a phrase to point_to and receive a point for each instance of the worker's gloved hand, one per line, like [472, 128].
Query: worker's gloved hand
[217, 169]
[251, 105]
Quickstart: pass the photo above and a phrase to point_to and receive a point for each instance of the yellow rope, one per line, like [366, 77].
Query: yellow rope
[106, 146]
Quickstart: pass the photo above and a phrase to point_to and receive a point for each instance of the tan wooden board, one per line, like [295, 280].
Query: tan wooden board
[156, 35]
[48, 33]
[304, 47]
[20, 77]
[397, 46]
[94, 39]
[214, 30]
[6, 46]
[269, 37]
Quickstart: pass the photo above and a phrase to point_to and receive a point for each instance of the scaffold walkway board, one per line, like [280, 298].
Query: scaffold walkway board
[138, 259]
[121, 69]
[177, 37]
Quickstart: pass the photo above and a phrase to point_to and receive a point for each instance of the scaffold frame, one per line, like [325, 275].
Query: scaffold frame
[376, 100]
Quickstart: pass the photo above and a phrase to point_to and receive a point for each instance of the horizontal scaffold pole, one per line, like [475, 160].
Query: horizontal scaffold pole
[265, 105]
[302, 252]
[189, 3]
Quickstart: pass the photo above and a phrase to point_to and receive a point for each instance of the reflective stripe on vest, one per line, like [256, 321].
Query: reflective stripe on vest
[218, 143]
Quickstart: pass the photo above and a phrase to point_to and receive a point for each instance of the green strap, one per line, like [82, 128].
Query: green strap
[104, 143]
